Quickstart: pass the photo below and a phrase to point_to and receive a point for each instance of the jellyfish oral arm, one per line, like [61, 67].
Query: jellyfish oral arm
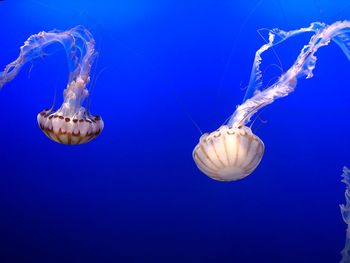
[34, 48]
[276, 36]
[78, 44]
[256, 98]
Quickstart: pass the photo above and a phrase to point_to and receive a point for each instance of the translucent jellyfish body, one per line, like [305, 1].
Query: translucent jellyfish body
[211, 153]
[345, 211]
[71, 123]
[229, 153]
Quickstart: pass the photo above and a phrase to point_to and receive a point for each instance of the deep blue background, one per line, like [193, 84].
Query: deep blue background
[134, 194]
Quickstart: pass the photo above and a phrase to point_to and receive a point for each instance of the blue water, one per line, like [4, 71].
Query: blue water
[134, 194]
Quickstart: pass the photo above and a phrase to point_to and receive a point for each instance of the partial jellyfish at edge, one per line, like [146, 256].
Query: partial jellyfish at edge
[71, 123]
[233, 152]
[345, 211]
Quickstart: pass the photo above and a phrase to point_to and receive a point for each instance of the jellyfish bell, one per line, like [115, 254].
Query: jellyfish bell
[71, 123]
[79, 129]
[229, 153]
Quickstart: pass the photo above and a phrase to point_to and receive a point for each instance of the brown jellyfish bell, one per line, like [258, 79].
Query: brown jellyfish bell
[69, 131]
[68, 125]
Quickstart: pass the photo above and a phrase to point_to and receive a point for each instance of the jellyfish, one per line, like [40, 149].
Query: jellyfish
[71, 123]
[345, 211]
[233, 151]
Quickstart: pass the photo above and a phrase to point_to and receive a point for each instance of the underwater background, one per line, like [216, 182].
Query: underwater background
[134, 194]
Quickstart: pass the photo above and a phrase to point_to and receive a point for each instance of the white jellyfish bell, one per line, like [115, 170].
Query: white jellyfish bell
[229, 153]
[233, 151]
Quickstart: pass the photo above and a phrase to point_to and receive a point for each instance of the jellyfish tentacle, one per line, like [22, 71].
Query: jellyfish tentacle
[303, 66]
